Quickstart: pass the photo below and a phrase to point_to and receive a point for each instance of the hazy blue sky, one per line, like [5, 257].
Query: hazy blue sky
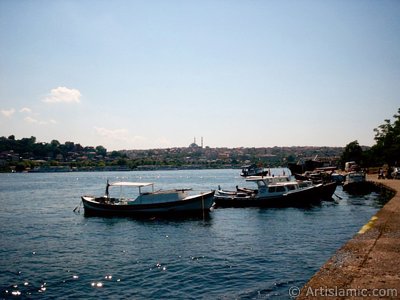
[155, 74]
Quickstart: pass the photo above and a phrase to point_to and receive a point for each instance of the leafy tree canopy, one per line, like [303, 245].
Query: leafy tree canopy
[387, 137]
[30, 147]
[352, 152]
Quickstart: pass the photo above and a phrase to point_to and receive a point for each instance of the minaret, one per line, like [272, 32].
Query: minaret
[201, 142]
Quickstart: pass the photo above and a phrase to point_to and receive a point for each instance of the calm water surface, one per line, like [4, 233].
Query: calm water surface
[48, 251]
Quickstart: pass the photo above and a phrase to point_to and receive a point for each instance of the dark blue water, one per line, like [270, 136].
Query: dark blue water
[48, 251]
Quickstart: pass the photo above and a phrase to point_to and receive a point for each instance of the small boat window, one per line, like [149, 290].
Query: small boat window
[291, 187]
[280, 189]
[271, 189]
[261, 183]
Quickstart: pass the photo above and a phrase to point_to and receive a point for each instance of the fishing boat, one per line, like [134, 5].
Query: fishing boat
[148, 201]
[275, 191]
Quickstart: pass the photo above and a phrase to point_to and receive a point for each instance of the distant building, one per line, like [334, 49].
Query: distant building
[194, 145]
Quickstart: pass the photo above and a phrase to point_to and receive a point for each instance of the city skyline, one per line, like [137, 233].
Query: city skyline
[134, 75]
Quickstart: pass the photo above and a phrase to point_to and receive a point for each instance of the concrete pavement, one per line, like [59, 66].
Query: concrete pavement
[367, 266]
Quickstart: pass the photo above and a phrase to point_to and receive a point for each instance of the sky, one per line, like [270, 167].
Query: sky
[239, 73]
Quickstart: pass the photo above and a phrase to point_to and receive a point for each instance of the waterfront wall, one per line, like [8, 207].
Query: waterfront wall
[367, 266]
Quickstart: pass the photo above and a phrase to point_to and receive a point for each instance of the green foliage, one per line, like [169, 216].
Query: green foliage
[100, 150]
[385, 151]
[26, 154]
[387, 147]
[352, 152]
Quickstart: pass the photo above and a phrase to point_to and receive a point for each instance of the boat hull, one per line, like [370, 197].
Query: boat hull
[327, 190]
[358, 188]
[302, 198]
[190, 205]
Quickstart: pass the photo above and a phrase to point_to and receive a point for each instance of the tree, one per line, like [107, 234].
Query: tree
[27, 144]
[387, 137]
[70, 146]
[352, 152]
[100, 150]
[55, 143]
[122, 162]
[114, 154]
[78, 148]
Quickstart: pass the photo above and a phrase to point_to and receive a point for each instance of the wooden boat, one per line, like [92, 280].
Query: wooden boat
[161, 202]
[275, 191]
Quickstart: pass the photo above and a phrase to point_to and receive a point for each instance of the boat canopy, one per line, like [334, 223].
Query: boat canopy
[134, 184]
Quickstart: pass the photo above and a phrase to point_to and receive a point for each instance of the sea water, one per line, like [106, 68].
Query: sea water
[50, 252]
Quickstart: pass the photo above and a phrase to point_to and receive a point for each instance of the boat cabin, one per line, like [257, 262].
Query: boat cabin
[146, 194]
[353, 177]
[275, 185]
[269, 179]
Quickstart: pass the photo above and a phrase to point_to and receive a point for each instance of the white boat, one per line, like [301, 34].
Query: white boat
[356, 183]
[275, 191]
[161, 202]
[354, 177]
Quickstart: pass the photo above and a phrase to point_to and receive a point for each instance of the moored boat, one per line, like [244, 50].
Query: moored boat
[357, 184]
[275, 191]
[321, 175]
[327, 190]
[148, 203]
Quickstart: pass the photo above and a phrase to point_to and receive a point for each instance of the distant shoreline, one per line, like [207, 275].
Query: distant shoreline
[116, 169]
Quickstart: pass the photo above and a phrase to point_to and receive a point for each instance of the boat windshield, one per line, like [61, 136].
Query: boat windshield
[261, 184]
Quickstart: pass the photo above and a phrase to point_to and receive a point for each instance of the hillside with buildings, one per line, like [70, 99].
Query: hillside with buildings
[28, 155]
